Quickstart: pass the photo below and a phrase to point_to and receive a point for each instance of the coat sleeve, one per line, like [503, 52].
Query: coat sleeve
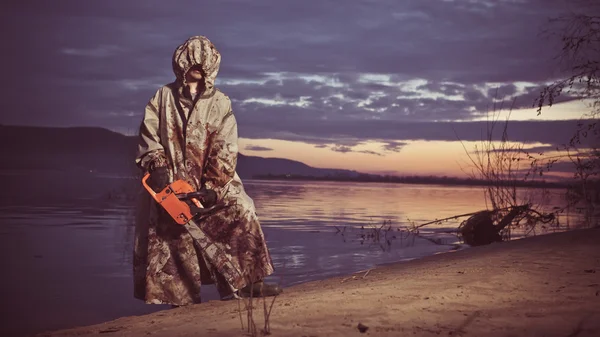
[222, 157]
[150, 152]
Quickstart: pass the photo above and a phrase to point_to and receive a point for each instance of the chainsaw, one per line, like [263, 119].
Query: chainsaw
[180, 200]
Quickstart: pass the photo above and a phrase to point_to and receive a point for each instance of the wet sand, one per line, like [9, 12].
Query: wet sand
[547, 285]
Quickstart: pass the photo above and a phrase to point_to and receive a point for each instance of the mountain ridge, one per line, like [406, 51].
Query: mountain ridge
[105, 151]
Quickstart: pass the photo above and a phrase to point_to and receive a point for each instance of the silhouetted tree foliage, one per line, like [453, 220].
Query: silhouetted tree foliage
[579, 34]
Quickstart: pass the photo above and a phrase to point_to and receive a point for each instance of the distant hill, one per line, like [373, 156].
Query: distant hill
[102, 150]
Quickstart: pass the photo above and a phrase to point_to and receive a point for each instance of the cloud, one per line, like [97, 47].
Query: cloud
[502, 91]
[348, 149]
[96, 52]
[448, 89]
[370, 152]
[257, 148]
[341, 148]
[351, 133]
[328, 72]
[394, 146]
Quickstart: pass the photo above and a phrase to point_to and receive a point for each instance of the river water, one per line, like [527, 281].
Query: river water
[66, 240]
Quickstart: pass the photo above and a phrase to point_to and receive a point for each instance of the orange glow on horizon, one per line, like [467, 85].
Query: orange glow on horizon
[423, 158]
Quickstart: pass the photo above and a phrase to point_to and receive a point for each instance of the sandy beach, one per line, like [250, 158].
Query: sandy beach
[546, 285]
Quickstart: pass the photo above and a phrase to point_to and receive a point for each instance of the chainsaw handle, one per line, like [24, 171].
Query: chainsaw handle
[150, 190]
[191, 195]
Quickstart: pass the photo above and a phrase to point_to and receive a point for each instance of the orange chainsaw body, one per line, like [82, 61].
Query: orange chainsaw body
[178, 209]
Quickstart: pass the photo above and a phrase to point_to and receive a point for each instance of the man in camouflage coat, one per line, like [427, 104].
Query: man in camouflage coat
[189, 132]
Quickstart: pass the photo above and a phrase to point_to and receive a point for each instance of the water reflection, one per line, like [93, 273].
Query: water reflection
[66, 241]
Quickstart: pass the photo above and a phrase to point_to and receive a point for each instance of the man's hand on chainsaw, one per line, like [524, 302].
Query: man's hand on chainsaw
[206, 197]
[209, 197]
[159, 178]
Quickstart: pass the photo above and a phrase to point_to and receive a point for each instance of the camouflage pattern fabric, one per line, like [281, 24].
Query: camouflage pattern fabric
[197, 141]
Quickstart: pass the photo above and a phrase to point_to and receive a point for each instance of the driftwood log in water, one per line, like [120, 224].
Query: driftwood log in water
[479, 229]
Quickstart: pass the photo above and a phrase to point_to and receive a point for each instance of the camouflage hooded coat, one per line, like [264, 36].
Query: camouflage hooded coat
[197, 140]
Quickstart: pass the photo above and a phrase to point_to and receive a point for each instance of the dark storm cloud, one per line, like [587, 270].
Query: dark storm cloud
[347, 132]
[502, 92]
[294, 70]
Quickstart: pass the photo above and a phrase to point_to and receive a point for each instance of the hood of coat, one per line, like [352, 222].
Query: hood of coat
[197, 50]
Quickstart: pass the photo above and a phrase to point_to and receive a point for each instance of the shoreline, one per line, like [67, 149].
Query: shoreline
[413, 180]
[544, 285]
[405, 180]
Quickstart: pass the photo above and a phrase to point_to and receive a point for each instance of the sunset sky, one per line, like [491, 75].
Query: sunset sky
[381, 86]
